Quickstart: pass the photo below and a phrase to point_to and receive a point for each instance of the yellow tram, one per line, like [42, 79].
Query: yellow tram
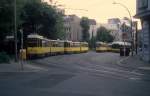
[101, 47]
[84, 47]
[38, 46]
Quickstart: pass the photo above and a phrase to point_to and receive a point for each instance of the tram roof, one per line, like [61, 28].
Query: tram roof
[122, 43]
[35, 36]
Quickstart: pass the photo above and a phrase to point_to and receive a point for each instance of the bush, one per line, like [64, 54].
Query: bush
[4, 58]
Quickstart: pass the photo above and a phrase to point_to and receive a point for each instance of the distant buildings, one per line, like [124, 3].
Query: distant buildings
[120, 28]
[143, 13]
[72, 28]
[114, 21]
[115, 30]
[114, 24]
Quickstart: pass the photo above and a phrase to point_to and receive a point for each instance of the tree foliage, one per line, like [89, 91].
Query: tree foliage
[6, 20]
[104, 35]
[92, 42]
[85, 28]
[43, 19]
[33, 16]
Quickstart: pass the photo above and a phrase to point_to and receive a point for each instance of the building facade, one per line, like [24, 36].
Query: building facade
[143, 13]
[72, 28]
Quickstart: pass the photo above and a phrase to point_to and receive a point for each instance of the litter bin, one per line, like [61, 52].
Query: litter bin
[127, 52]
[121, 51]
[124, 51]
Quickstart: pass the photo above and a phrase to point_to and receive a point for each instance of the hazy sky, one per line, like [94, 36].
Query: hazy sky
[101, 10]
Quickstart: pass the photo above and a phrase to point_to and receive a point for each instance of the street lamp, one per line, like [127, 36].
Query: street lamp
[130, 22]
[21, 50]
[15, 30]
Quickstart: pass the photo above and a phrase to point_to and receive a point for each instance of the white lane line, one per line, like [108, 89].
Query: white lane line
[118, 70]
[135, 78]
[108, 72]
[119, 62]
[145, 68]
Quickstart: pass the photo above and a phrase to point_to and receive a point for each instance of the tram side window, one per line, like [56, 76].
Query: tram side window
[66, 44]
[47, 44]
[32, 42]
[98, 45]
[78, 45]
[56, 44]
[40, 43]
[52, 44]
[60, 44]
[44, 43]
[85, 45]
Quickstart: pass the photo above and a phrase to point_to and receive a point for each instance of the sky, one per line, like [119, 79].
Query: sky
[101, 10]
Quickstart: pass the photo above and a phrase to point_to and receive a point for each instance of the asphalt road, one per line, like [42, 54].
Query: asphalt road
[87, 74]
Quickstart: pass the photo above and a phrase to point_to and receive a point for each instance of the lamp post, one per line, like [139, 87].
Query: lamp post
[15, 31]
[21, 50]
[130, 23]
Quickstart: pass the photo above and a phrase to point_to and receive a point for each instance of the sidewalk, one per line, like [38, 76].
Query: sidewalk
[134, 62]
[16, 67]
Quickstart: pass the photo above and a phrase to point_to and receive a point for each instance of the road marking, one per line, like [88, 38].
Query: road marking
[119, 62]
[135, 78]
[118, 70]
[145, 68]
[108, 72]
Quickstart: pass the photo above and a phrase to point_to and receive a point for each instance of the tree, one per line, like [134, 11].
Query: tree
[6, 20]
[85, 28]
[43, 19]
[33, 16]
[104, 35]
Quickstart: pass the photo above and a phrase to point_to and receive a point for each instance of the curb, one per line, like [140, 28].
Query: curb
[144, 68]
[120, 61]
[16, 68]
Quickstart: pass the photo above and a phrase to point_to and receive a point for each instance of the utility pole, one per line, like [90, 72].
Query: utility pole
[131, 23]
[21, 51]
[136, 37]
[15, 31]
[92, 40]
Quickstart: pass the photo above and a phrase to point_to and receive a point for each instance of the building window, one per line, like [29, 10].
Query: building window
[145, 46]
[142, 4]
